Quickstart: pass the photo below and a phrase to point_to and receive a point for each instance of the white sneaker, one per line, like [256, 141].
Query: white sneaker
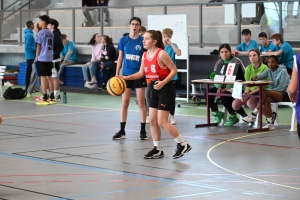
[271, 127]
[172, 120]
[7, 83]
[97, 24]
[250, 118]
[86, 84]
[147, 120]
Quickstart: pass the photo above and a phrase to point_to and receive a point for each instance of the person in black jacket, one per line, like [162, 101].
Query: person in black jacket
[57, 48]
[108, 58]
[86, 10]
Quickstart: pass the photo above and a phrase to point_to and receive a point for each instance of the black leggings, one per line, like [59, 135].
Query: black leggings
[298, 129]
[172, 111]
[226, 102]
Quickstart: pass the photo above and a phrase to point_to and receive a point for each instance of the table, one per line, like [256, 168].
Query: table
[260, 84]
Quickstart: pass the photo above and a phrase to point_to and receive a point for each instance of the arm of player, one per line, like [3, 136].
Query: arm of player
[293, 86]
[119, 62]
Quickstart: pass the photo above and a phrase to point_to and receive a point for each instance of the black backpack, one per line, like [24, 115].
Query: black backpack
[16, 93]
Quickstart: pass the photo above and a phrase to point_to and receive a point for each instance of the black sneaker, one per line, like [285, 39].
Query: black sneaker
[154, 153]
[58, 98]
[119, 135]
[274, 115]
[143, 135]
[182, 148]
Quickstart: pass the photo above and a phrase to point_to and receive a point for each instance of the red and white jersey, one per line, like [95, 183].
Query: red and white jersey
[153, 70]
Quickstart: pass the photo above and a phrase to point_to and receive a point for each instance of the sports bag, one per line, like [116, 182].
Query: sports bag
[16, 93]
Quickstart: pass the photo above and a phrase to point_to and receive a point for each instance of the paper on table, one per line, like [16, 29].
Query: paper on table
[237, 90]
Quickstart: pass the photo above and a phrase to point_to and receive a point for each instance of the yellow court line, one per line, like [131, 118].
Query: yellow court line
[245, 136]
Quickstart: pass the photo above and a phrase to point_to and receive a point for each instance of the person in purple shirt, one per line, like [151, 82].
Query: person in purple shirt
[293, 89]
[44, 57]
[246, 46]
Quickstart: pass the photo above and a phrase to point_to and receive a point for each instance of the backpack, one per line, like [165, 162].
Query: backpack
[16, 93]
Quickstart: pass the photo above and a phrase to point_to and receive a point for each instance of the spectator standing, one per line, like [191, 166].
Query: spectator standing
[30, 50]
[57, 48]
[86, 10]
[68, 56]
[103, 3]
[172, 49]
[44, 57]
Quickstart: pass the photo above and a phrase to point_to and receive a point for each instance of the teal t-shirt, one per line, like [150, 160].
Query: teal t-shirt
[244, 47]
[250, 72]
[169, 49]
[287, 56]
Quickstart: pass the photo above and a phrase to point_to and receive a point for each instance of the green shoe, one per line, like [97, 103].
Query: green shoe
[232, 120]
[218, 117]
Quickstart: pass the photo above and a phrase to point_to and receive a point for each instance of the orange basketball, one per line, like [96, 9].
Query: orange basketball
[116, 86]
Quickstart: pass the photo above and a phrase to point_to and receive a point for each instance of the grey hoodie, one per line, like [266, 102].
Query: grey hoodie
[280, 78]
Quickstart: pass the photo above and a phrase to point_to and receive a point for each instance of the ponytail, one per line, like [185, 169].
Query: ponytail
[156, 35]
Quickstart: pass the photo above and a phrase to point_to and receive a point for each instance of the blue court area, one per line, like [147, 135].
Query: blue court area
[65, 151]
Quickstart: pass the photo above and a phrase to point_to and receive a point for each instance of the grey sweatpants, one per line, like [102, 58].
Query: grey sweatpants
[33, 80]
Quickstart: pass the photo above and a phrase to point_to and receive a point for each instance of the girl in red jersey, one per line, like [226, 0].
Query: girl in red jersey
[160, 69]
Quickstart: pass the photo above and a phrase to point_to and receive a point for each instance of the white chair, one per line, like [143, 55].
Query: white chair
[275, 109]
[2, 70]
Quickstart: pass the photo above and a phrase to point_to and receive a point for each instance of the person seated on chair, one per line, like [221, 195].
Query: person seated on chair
[246, 46]
[284, 50]
[277, 91]
[68, 56]
[96, 43]
[108, 58]
[265, 45]
[253, 69]
[220, 69]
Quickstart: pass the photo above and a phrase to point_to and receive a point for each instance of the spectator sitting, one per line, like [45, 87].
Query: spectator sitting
[284, 50]
[254, 68]
[108, 58]
[276, 93]
[86, 10]
[246, 46]
[68, 56]
[265, 45]
[96, 44]
[220, 68]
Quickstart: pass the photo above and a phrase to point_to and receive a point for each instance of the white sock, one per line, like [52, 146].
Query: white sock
[55, 93]
[270, 120]
[156, 144]
[179, 139]
[255, 111]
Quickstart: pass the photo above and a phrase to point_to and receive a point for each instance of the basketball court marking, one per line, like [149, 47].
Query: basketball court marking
[239, 174]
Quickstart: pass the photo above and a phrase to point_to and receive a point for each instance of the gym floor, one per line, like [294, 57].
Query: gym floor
[65, 151]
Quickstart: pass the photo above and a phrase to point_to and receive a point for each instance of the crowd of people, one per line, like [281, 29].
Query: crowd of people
[276, 66]
[147, 59]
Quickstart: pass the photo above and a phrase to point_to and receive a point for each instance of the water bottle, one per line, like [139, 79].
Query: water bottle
[84, 23]
[65, 98]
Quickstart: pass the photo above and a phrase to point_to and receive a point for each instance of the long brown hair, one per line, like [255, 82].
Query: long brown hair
[92, 41]
[156, 35]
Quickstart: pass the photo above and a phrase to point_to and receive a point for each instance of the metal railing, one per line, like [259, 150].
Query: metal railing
[166, 9]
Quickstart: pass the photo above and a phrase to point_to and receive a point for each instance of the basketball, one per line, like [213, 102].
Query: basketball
[116, 86]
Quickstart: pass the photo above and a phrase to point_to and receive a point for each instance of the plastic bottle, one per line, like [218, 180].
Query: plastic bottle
[84, 23]
[65, 98]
